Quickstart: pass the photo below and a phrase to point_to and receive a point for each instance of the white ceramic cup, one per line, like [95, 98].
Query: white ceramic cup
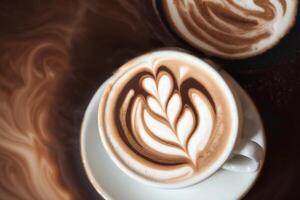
[239, 155]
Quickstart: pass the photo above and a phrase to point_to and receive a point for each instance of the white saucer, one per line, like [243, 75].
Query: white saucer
[113, 184]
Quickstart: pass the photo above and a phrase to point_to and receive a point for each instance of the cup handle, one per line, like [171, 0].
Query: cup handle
[247, 157]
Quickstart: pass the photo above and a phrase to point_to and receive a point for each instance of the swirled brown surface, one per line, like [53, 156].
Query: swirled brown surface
[27, 159]
[33, 60]
[165, 118]
[231, 28]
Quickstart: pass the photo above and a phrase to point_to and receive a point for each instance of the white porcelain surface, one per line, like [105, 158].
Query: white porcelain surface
[112, 183]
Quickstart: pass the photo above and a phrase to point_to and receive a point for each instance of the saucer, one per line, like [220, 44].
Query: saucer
[113, 184]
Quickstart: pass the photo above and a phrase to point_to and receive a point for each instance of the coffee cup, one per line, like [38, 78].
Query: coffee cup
[170, 120]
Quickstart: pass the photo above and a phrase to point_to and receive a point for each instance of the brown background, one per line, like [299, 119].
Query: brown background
[109, 32]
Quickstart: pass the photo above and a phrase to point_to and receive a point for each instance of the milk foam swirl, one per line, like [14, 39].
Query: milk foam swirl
[165, 120]
[231, 28]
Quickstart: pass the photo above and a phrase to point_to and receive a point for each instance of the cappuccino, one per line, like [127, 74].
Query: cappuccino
[231, 28]
[167, 117]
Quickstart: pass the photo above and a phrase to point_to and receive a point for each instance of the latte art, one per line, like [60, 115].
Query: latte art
[231, 28]
[165, 119]
[168, 128]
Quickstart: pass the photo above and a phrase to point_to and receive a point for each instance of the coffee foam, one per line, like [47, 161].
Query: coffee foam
[165, 118]
[231, 28]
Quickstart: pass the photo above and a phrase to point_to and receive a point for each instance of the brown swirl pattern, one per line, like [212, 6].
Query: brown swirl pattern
[26, 160]
[32, 64]
[231, 28]
[164, 118]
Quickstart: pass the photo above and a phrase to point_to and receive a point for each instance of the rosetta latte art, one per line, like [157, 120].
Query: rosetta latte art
[231, 28]
[166, 120]
[166, 128]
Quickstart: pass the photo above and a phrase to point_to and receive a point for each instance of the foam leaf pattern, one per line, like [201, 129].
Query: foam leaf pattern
[169, 124]
[173, 108]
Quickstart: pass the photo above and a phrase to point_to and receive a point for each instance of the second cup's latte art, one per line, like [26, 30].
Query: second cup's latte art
[165, 118]
[231, 28]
